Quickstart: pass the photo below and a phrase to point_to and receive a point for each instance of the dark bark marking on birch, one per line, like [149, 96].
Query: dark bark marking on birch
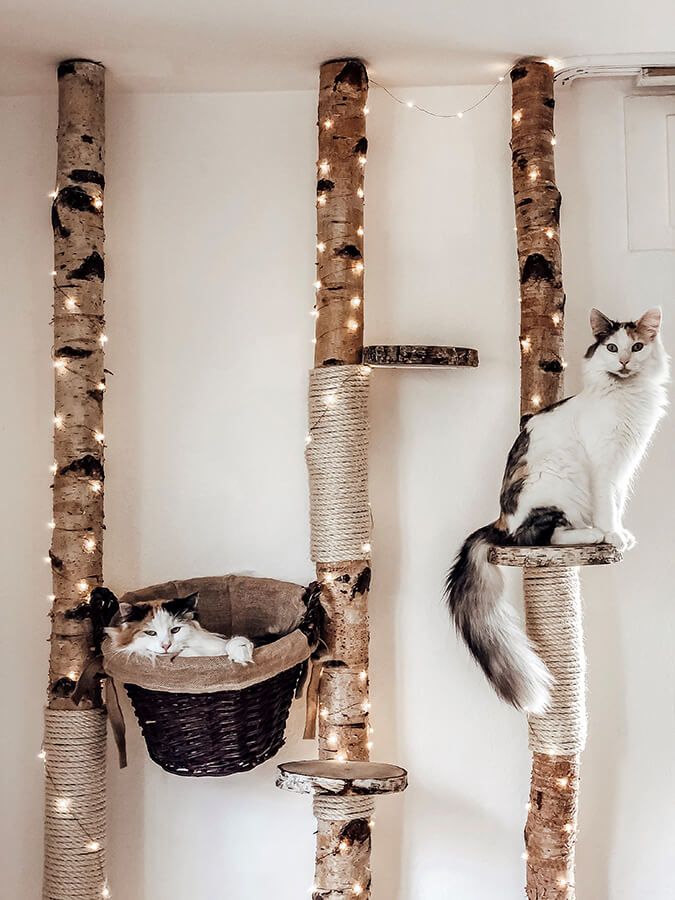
[324, 185]
[91, 267]
[87, 176]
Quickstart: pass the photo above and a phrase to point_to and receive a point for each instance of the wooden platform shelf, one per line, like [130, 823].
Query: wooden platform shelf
[537, 557]
[341, 778]
[407, 356]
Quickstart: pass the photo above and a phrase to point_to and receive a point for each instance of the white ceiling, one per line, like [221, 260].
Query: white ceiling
[232, 45]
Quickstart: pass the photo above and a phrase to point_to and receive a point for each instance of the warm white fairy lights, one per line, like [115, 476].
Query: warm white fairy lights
[355, 302]
[89, 545]
[99, 437]
[60, 366]
[63, 804]
[357, 889]
[517, 116]
[321, 247]
[535, 400]
[550, 233]
[58, 421]
[526, 344]
[533, 173]
[360, 193]
[53, 468]
[321, 199]
[358, 267]
[95, 486]
[103, 339]
[359, 231]
[97, 202]
[352, 325]
[328, 124]
[70, 304]
[83, 586]
[324, 167]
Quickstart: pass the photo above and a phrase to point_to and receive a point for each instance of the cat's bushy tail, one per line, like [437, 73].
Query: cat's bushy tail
[490, 628]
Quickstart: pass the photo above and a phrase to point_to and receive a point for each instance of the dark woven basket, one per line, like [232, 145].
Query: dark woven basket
[215, 734]
[221, 732]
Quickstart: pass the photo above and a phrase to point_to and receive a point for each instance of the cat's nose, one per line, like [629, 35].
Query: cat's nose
[624, 359]
[165, 645]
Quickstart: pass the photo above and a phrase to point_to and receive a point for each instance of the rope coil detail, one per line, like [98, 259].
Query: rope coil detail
[337, 461]
[554, 625]
[343, 808]
[75, 815]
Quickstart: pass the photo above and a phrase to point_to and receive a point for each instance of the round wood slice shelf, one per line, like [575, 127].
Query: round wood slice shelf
[327, 776]
[406, 356]
[536, 557]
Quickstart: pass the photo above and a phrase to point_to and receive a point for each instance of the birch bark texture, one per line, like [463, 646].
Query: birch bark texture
[75, 736]
[550, 831]
[537, 205]
[342, 868]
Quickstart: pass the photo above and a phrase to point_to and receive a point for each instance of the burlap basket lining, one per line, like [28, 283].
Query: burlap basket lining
[258, 608]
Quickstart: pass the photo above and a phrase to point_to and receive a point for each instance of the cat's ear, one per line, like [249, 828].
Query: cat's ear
[648, 325]
[183, 607]
[600, 324]
[126, 611]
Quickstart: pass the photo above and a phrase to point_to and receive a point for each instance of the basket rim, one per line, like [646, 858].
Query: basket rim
[207, 674]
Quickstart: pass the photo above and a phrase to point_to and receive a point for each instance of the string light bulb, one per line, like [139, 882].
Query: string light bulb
[533, 174]
[358, 267]
[62, 804]
[53, 468]
[359, 193]
[555, 318]
[332, 739]
[535, 400]
[100, 386]
[324, 167]
[95, 486]
[357, 889]
[366, 110]
[568, 827]
[321, 247]
[58, 421]
[321, 200]
[99, 437]
[93, 846]
[341, 756]
[526, 344]
[359, 231]
[103, 339]
[70, 304]
[549, 233]
[60, 366]
[51, 525]
[518, 116]
[562, 782]
[554, 141]
[53, 194]
[328, 124]
[308, 439]
[105, 892]
[363, 675]
[89, 545]
[362, 160]
[355, 302]
[42, 756]
[329, 399]
[98, 203]
[366, 547]
[410, 103]
[317, 285]
[82, 586]
[352, 324]
[460, 115]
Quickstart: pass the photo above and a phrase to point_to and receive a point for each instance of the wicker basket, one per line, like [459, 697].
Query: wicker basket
[207, 715]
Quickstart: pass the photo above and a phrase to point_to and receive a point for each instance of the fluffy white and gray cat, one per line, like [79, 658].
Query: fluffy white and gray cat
[566, 482]
[170, 628]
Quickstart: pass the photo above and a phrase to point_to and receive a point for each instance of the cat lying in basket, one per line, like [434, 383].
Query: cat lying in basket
[171, 628]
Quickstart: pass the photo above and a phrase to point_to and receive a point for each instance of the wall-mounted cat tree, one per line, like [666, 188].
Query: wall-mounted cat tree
[75, 735]
[550, 574]
[343, 782]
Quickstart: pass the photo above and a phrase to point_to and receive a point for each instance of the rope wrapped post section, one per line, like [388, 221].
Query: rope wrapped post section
[75, 804]
[554, 625]
[75, 735]
[552, 598]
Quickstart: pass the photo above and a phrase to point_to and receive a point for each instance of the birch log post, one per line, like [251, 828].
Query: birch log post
[337, 462]
[550, 832]
[74, 744]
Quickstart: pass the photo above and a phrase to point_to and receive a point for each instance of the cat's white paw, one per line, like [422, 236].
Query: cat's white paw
[621, 539]
[240, 650]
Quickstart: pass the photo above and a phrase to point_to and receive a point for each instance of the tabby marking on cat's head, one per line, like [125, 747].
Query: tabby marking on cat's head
[624, 350]
[158, 627]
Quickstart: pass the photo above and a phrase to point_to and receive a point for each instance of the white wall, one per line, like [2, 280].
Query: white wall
[210, 224]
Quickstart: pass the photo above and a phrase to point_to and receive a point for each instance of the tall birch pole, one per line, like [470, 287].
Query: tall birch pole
[74, 743]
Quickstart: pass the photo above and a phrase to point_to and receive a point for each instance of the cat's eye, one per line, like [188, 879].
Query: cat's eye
[176, 629]
[637, 347]
[152, 633]
[612, 348]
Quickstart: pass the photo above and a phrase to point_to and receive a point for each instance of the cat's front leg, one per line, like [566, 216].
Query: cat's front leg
[607, 513]
[240, 650]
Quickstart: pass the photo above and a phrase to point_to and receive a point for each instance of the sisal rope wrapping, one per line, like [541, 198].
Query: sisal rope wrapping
[554, 625]
[74, 746]
[337, 460]
[343, 808]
